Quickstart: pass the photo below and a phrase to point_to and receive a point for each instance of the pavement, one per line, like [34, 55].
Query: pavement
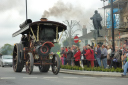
[93, 73]
[9, 77]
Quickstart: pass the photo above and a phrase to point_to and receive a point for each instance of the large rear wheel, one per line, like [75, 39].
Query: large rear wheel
[29, 63]
[56, 64]
[18, 62]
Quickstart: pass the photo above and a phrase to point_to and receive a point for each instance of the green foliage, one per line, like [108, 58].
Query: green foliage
[80, 68]
[7, 49]
[66, 43]
[92, 69]
[56, 47]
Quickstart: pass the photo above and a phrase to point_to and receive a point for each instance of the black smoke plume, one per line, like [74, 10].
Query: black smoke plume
[69, 11]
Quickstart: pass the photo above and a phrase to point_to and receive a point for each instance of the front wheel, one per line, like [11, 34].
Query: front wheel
[56, 64]
[29, 63]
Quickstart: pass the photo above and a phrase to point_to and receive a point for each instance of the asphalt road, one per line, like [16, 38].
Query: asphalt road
[9, 77]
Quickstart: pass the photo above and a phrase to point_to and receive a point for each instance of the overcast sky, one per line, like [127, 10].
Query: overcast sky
[12, 13]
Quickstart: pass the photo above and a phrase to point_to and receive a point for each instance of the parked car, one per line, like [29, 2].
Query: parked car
[6, 60]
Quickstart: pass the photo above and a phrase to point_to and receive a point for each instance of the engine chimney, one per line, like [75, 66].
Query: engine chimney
[43, 19]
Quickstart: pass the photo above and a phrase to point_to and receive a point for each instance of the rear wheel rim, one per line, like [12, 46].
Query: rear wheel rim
[15, 60]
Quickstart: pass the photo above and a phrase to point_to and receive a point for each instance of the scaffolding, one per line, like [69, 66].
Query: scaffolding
[120, 12]
[120, 18]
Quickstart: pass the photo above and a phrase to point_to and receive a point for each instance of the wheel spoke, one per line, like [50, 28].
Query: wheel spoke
[15, 52]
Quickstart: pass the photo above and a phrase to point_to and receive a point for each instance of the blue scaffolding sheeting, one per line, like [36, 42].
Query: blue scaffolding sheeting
[110, 1]
[115, 17]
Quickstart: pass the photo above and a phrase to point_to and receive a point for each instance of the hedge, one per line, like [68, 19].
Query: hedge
[85, 68]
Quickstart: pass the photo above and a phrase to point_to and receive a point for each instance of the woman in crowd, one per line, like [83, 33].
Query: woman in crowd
[108, 55]
[89, 56]
[116, 59]
[77, 57]
[92, 57]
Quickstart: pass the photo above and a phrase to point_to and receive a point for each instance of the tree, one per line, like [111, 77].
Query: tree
[71, 30]
[7, 49]
[66, 43]
[56, 47]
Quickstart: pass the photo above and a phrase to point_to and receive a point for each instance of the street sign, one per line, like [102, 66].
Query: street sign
[76, 39]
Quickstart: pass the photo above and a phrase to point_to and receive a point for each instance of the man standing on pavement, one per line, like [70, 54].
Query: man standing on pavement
[98, 55]
[125, 66]
[83, 61]
[104, 56]
[65, 56]
[69, 56]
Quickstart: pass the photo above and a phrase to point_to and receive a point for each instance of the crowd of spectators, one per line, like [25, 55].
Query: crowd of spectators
[101, 56]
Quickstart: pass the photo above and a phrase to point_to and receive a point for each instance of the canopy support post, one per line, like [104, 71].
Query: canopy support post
[33, 34]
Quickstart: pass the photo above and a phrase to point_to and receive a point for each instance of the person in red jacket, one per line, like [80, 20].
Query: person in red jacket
[66, 49]
[92, 57]
[89, 56]
[77, 57]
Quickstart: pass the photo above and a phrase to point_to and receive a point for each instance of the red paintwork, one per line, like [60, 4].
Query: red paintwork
[44, 52]
[49, 43]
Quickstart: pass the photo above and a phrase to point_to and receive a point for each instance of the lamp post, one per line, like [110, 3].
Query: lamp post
[26, 10]
[112, 21]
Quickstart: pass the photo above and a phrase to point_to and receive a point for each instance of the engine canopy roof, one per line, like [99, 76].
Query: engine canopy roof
[43, 24]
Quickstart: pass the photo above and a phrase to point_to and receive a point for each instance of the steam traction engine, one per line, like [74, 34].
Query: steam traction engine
[34, 49]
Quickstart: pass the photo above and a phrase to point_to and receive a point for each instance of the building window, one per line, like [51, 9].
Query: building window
[86, 42]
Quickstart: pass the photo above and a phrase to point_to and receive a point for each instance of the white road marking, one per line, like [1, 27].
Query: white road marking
[7, 77]
[29, 77]
[49, 77]
[88, 77]
[108, 78]
[71, 77]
